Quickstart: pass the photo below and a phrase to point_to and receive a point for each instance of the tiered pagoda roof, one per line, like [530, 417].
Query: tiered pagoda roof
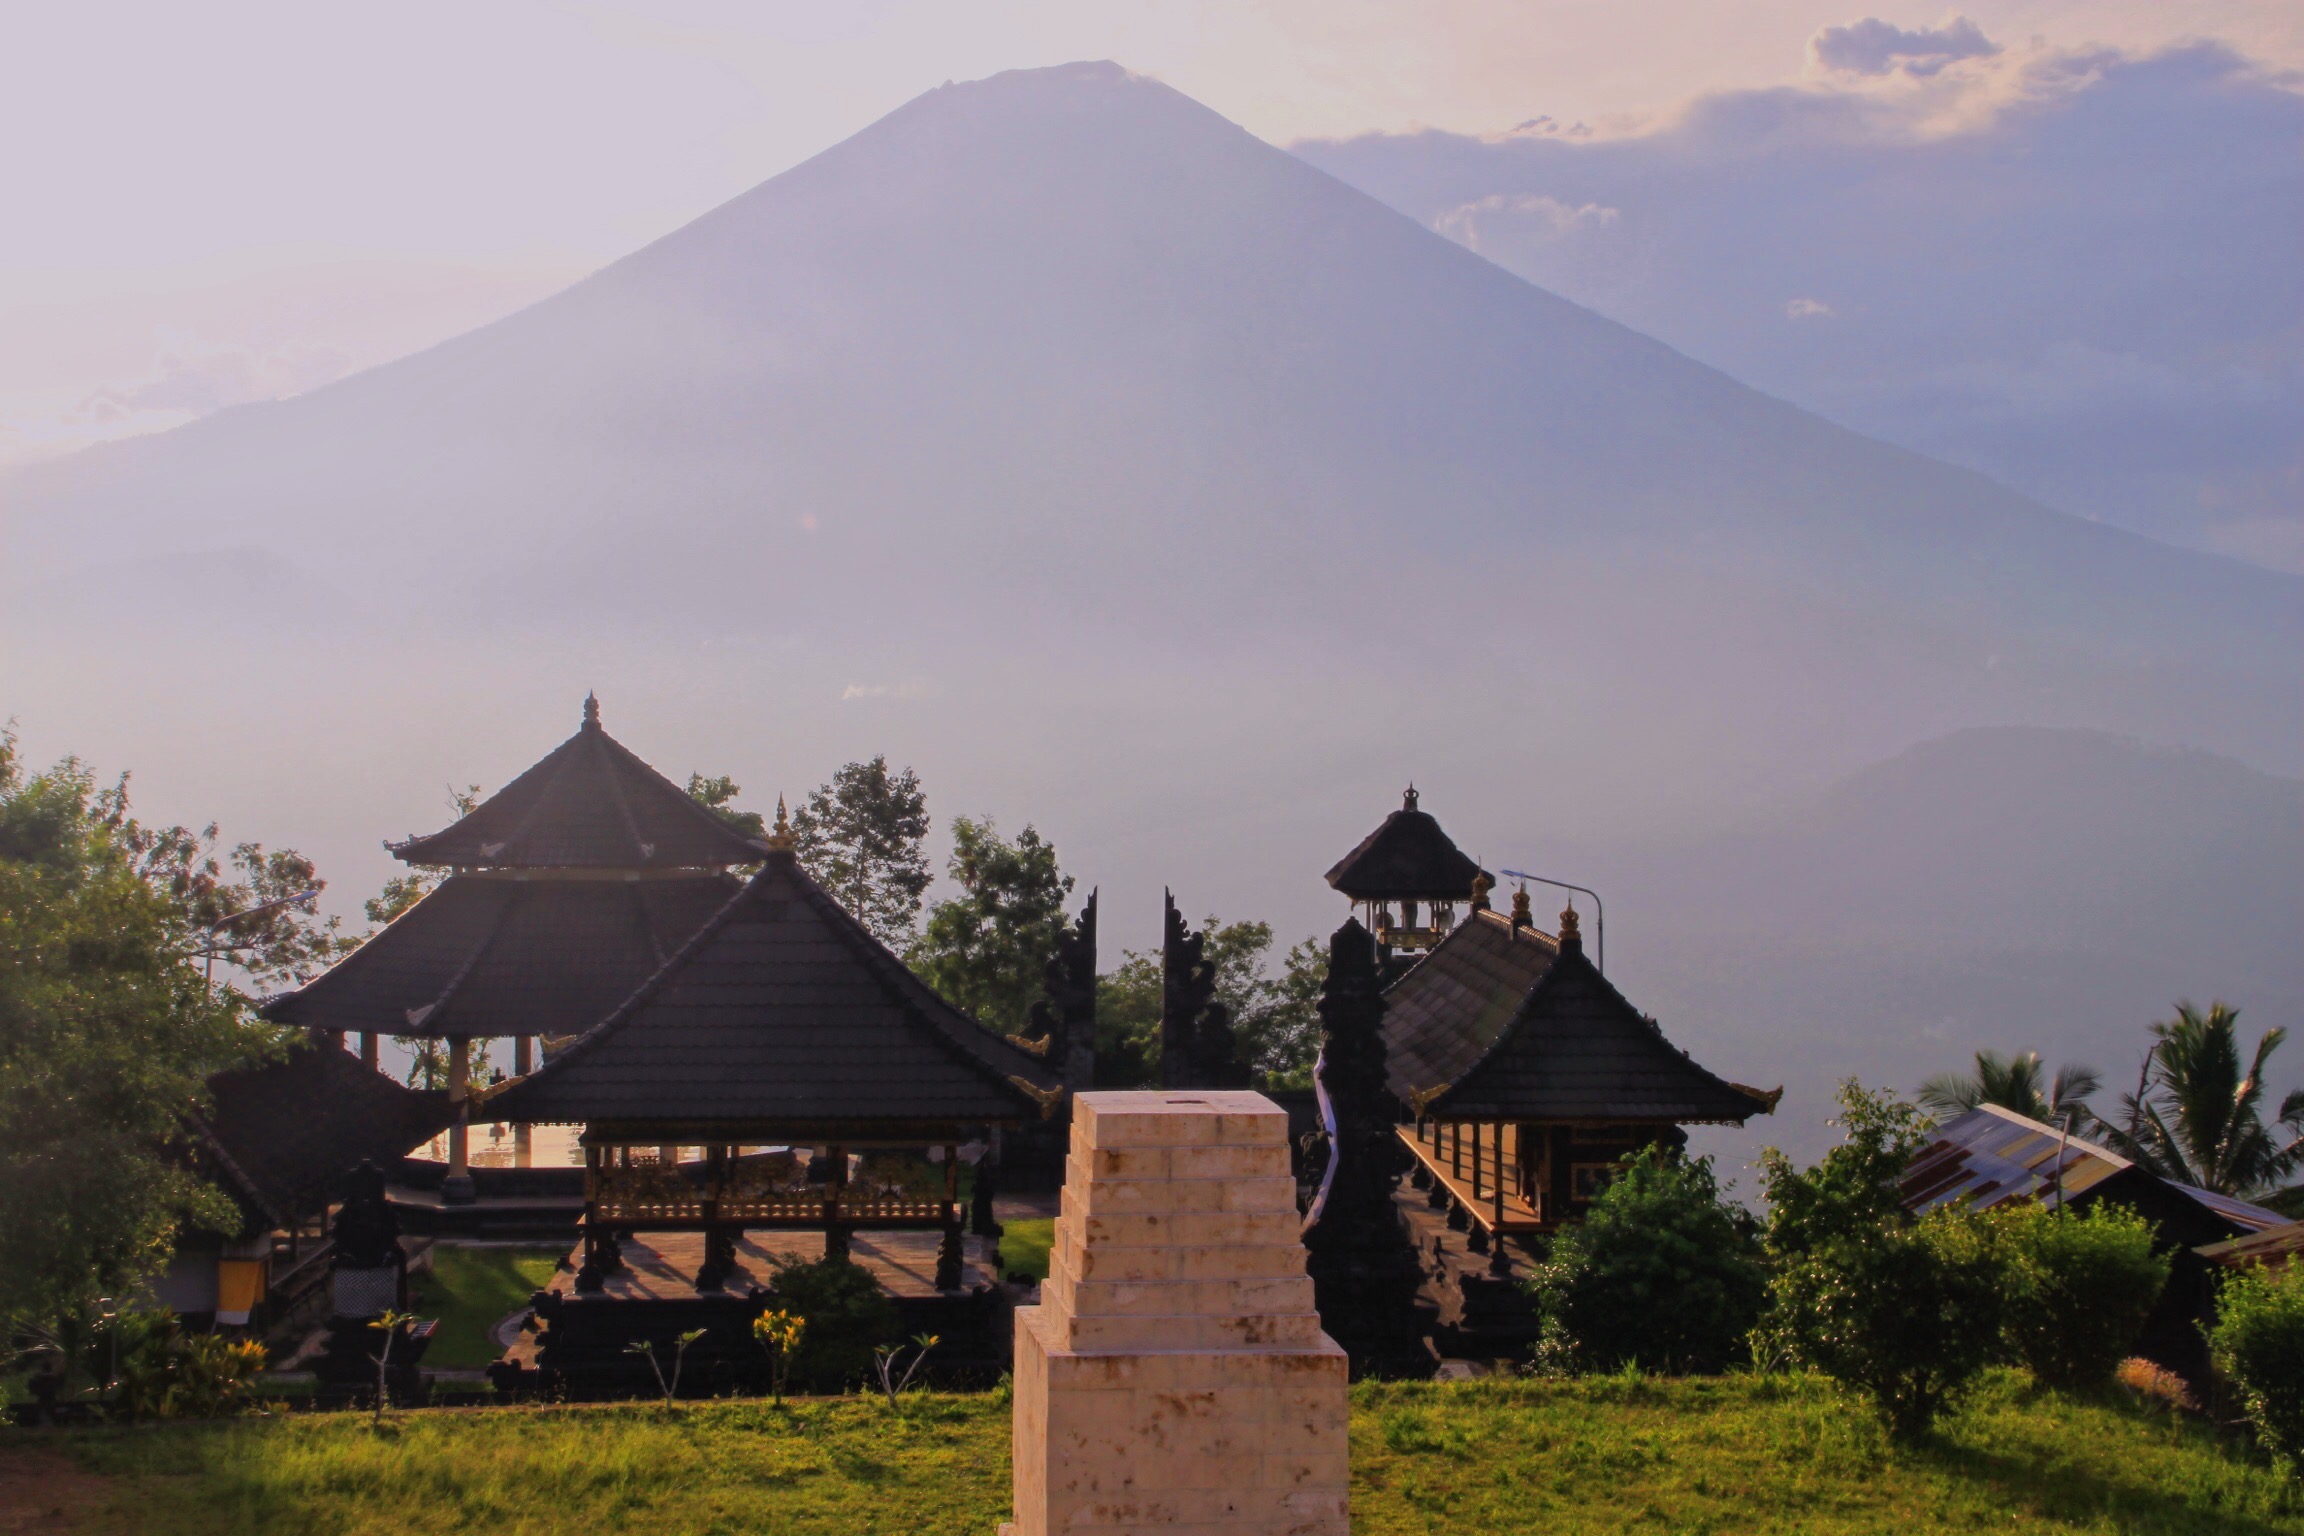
[783, 1018]
[1503, 1023]
[1407, 858]
[591, 804]
[492, 957]
[573, 884]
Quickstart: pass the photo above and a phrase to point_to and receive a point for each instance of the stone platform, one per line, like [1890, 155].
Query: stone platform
[1174, 1378]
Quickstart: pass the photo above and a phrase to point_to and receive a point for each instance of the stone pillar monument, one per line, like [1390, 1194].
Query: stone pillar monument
[1174, 1376]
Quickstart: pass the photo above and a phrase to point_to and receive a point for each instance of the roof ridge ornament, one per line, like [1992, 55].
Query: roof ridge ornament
[1408, 800]
[591, 711]
[1482, 884]
[1521, 916]
[1572, 936]
[780, 838]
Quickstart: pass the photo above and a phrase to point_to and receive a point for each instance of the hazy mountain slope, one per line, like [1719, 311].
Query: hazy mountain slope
[2020, 889]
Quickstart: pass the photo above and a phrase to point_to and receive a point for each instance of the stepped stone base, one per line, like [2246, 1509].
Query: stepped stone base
[1175, 1378]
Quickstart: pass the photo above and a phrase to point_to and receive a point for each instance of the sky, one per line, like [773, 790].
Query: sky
[239, 201]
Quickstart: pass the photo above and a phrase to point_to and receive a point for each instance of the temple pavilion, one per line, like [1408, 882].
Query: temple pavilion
[1406, 879]
[1526, 1077]
[782, 1027]
[566, 890]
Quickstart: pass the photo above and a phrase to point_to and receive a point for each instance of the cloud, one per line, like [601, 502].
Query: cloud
[1547, 215]
[908, 690]
[2071, 269]
[194, 378]
[1875, 47]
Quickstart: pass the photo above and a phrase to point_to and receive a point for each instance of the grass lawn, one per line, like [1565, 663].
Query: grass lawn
[469, 1290]
[1739, 1455]
[1024, 1245]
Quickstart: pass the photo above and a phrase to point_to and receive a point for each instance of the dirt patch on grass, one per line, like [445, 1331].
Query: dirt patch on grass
[45, 1490]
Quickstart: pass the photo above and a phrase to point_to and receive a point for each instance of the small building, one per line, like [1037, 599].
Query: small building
[1405, 880]
[1527, 1077]
[567, 889]
[1991, 1156]
[279, 1140]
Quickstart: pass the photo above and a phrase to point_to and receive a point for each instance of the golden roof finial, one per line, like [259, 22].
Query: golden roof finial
[1568, 928]
[780, 837]
[1521, 917]
[1482, 884]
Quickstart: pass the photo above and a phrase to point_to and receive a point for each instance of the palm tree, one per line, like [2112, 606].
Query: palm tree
[2013, 1083]
[2197, 1114]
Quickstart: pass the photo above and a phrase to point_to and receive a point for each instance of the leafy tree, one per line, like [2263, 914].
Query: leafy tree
[2014, 1083]
[987, 949]
[2258, 1346]
[718, 795]
[109, 1030]
[2197, 1113]
[1662, 1274]
[1275, 1021]
[1906, 1314]
[860, 836]
[2078, 1290]
[1852, 1190]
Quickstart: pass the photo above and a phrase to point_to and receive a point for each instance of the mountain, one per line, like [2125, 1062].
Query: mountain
[1065, 343]
[1126, 475]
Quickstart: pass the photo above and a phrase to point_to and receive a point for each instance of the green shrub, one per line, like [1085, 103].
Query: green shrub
[1907, 1314]
[2258, 1345]
[2078, 1290]
[1852, 1191]
[165, 1373]
[845, 1316]
[1661, 1274]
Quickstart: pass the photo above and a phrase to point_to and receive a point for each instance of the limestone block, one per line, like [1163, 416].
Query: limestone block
[1174, 1378]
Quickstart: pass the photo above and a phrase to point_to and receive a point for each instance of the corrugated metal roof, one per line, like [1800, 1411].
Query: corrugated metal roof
[1990, 1155]
[2239, 1212]
[2277, 1246]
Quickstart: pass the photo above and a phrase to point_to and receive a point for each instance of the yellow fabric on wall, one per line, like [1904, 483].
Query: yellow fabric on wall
[239, 1287]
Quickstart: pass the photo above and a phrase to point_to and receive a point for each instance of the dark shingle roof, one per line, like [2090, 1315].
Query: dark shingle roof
[783, 1009]
[279, 1138]
[487, 954]
[1518, 1026]
[1444, 1014]
[590, 804]
[1407, 858]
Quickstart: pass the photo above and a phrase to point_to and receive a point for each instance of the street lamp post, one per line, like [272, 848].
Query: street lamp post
[1599, 913]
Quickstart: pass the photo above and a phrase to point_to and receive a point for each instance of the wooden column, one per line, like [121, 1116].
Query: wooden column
[368, 1051]
[459, 1097]
[835, 1189]
[1497, 1262]
[523, 1136]
[949, 1256]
